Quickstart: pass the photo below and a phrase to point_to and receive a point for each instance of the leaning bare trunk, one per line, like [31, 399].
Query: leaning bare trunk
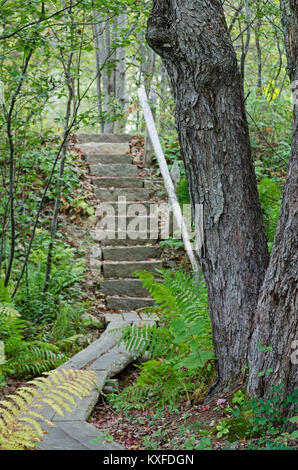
[276, 321]
[193, 40]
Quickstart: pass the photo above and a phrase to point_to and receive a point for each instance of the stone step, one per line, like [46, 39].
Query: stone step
[104, 147]
[106, 159]
[131, 317]
[120, 287]
[121, 170]
[129, 208]
[75, 435]
[133, 224]
[112, 195]
[96, 349]
[128, 268]
[128, 303]
[84, 407]
[114, 361]
[124, 239]
[118, 182]
[132, 253]
[103, 138]
[154, 183]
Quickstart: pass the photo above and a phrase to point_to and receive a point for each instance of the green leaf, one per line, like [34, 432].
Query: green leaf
[178, 326]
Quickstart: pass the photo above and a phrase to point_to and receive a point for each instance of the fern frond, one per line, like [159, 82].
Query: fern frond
[33, 362]
[19, 428]
[182, 342]
[8, 310]
[140, 338]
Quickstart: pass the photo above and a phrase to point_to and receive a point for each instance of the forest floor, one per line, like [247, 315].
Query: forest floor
[183, 426]
[174, 427]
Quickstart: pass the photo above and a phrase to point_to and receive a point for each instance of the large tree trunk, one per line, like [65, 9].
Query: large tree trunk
[276, 321]
[193, 40]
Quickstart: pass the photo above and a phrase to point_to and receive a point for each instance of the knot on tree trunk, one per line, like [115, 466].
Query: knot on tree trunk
[160, 34]
[193, 39]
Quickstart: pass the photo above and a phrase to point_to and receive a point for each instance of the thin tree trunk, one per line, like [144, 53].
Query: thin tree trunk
[98, 32]
[163, 95]
[235, 16]
[245, 45]
[54, 223]
[148, 146]
[193, 40]
[109, 92]
[120, 77]
[71, 94]
[259, 56]
[12, 165]
[107, 70]
[276, 322]
[3, 236]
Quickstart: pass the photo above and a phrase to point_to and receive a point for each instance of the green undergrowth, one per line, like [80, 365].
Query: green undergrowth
[180, 351]
[40, 327]
[179, 369]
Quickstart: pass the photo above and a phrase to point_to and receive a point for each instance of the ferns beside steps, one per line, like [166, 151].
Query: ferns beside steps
[33, 362]
[24, 359]
[180, 347]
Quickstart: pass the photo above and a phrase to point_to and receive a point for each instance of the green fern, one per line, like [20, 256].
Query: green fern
[24, 358]
[178, 295]
[7, 310]
[157, 341]
[67, 343]
[33, 362]
[4, 293]
[180, 347]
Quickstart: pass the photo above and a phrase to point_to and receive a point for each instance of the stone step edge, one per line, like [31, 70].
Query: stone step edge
[103, 138]
[129, 262]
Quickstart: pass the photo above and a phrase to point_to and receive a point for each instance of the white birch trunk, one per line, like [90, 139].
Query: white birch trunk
[121, 70]
[109, 78]
[98, 32]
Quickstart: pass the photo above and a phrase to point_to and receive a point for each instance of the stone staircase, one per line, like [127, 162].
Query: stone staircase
[115, 176]
[113, 173]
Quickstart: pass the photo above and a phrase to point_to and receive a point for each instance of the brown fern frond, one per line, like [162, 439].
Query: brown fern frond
[19, 413]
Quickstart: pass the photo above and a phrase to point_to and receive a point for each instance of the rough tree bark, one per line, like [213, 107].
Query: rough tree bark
[276, 321]
[193, 40]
